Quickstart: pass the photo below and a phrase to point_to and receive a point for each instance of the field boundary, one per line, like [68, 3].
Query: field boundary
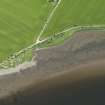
[18, 57]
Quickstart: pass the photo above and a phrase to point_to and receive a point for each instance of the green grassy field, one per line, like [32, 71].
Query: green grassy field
[22, 20]
[20, 23]
[76, 13]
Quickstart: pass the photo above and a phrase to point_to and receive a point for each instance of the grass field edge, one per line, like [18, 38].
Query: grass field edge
[13, 60]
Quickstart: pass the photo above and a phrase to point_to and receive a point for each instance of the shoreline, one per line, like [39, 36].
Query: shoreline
[81, 50]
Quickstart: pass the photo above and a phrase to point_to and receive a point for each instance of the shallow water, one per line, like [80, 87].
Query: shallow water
[87, 91]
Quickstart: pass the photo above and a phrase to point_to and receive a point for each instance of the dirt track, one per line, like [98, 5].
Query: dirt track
[74, 53]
